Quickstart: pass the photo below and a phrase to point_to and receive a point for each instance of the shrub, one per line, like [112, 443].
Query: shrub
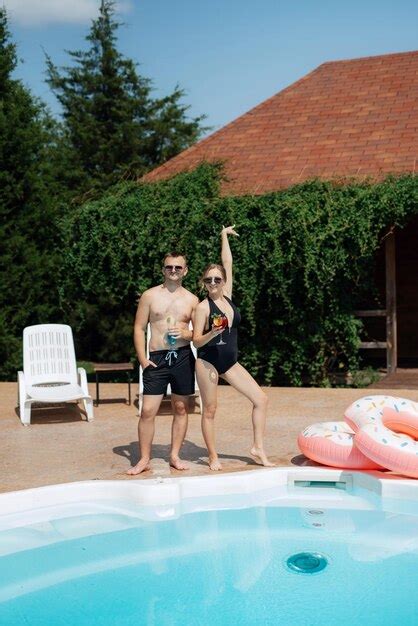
[301, 266]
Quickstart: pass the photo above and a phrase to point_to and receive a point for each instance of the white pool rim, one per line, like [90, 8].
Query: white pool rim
[165, 493]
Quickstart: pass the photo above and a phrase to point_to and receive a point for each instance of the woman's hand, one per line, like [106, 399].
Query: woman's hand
[216, 330]
[229, 230]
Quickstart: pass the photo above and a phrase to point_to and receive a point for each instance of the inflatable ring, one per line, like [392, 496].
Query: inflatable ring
[386, 429]
[331, 443]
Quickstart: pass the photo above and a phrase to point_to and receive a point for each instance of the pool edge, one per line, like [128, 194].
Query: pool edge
[163, 491]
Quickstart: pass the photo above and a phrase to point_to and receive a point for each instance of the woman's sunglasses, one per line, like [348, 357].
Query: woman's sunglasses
[173, 268]
[210, 280]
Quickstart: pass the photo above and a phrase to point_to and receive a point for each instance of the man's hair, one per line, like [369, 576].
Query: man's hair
[174, 254]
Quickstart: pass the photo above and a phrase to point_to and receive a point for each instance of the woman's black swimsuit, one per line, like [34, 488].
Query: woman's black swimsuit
[222, 357]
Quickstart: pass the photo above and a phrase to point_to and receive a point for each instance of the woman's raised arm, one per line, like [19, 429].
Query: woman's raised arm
[226, 256]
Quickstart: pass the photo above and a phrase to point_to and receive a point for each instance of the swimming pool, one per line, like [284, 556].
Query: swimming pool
[213, 550]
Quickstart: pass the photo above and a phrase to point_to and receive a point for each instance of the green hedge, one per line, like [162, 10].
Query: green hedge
[302, 264]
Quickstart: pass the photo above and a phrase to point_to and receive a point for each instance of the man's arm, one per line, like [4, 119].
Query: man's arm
[180, 332]
[140, 327]
[192, 317]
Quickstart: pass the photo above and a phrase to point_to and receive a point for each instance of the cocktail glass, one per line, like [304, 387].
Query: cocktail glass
[171, 340]
[220, 321]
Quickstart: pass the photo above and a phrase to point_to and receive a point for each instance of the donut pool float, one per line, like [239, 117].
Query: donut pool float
[331, 443]
[386, 431]
[378, 432]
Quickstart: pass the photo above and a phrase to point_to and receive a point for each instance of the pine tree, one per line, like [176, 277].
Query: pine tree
[28, 205]
[115, 128]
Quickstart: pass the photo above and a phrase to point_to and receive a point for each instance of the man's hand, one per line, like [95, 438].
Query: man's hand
[146, 363]
[229, 230]
[179, 332]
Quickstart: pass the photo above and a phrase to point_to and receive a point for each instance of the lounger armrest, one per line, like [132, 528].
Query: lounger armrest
[82, 380]
[21, 388]
[21, 380]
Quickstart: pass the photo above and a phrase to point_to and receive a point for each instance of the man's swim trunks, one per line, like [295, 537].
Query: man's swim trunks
[174, 367]
[222, 356]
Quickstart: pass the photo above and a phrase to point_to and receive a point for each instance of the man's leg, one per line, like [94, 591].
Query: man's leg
[146, 427]
[178, 431]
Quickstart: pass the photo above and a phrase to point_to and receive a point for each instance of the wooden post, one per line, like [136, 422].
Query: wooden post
[391, 322]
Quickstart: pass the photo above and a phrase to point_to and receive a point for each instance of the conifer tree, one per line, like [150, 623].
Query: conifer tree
[28, 191]
[115, 127]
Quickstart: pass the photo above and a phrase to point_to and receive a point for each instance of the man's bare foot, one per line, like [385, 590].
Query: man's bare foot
[178, 464]
[142, 466]
[214, 464]
[260, 457]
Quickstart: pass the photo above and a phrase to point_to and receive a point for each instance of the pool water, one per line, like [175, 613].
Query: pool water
[217, 567]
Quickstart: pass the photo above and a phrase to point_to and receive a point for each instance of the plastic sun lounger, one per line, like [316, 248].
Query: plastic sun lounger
[50, 371]
[168, 395]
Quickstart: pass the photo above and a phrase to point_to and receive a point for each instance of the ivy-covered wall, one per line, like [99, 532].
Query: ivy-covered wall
[302, 264]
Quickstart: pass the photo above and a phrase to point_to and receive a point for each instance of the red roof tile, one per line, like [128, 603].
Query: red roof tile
[356, 118]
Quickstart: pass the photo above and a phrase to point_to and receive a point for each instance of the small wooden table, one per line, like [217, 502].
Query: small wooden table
[113, 367]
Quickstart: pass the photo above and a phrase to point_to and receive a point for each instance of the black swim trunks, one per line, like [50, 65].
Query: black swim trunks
[222, 355]
[174, 367]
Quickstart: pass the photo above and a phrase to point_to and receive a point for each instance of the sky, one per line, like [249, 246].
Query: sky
[228, 55]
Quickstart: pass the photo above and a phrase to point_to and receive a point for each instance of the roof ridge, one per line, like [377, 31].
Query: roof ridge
[374, 56]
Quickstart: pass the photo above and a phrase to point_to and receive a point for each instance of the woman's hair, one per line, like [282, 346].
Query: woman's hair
[213, 266]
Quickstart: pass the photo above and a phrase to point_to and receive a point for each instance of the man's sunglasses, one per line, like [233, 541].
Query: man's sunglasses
[173, 268]
[212, 279]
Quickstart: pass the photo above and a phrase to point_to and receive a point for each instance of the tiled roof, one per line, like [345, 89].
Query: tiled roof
[355, 118]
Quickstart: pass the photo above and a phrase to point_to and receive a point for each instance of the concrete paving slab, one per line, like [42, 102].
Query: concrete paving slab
[61, 446]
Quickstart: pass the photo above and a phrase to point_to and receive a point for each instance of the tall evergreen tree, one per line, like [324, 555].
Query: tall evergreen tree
[115, 128]
[28, 190]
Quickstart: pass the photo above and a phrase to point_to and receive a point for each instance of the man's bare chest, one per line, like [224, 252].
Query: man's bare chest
[178, 307]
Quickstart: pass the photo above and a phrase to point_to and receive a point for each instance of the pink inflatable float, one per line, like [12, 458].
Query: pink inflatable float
[331, 443]
[386, 429]
[378, 432]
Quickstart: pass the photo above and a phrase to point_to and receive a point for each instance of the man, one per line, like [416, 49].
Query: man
[168, 308]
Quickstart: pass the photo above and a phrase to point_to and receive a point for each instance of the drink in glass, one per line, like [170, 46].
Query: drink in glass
[220, 321]
[171, 340]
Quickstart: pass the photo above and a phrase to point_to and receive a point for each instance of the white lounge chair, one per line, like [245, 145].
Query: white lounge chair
[168, 395]
[50, 371]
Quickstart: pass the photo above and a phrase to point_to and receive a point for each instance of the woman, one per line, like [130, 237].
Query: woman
[218, 354]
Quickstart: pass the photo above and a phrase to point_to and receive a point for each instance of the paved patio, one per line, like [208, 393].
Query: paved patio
[60, 446]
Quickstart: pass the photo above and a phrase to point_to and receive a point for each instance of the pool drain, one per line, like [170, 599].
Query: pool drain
[307, 562]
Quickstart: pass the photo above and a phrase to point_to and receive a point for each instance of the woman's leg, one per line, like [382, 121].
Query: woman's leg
[207, 379]
[238, 377]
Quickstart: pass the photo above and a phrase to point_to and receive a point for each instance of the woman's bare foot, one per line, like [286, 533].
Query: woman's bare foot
[142, 466]
[260, 457]
[214, 464]
[178, 464]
